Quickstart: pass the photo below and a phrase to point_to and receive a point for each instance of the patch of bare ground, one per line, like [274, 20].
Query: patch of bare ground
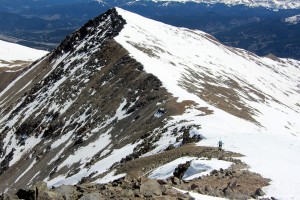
[142, 166]
[273, 57]
[224, 96]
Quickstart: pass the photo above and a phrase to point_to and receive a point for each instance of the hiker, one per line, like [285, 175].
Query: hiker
[220, 145]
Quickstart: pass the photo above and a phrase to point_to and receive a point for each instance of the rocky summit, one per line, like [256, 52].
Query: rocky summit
[128, 102]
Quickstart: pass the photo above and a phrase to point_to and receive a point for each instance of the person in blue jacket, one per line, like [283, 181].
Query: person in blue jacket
[220, 143]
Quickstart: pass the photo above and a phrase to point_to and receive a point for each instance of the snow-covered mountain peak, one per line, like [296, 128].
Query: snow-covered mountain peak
[123, 87]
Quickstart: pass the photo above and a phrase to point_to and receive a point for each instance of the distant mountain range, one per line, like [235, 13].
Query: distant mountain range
[271, 4]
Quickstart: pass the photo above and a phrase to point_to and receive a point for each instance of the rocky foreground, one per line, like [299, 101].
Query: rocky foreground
[233, 183]
[129, 188]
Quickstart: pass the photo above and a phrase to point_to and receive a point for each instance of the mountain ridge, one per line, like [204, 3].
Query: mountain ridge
[120, 88]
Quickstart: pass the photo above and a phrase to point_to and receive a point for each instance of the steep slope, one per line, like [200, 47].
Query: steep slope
[123, 87]
[80, 110]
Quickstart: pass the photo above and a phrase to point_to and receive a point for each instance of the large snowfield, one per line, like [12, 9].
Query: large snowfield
[272, 149]
[12, 52]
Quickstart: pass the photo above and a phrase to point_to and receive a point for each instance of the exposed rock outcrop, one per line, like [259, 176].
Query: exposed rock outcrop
[128, 188]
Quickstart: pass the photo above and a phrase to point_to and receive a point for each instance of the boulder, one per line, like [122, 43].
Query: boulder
[42, 192]
[9, 197]
[259, 192]
[162, 182]
[68, 192]
[49, 195]
[24, 194]
[150, 188]
[88, 187]
[91, 196]
[128, 193]
[175, 181]
[181, 169]
[194, 186]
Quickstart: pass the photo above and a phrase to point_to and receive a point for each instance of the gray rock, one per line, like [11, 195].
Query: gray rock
[136, 193]
[208, 188]
[40, 186]
[175, 181]
[228, 192]
[68, 192]
[162, 182]
[89, 187]
[43, 193]
[128, 193]
[194, 186]
[150, 187]
[92, 196]
[259, 192]
[10, 197]
[49, 195]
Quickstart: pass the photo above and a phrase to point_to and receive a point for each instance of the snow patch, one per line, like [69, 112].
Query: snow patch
[167, 170]
[293, 20]
[198, 168]
[98, 168]
[109, 178]
[62, 140]
[92, 148]
[202, 167]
